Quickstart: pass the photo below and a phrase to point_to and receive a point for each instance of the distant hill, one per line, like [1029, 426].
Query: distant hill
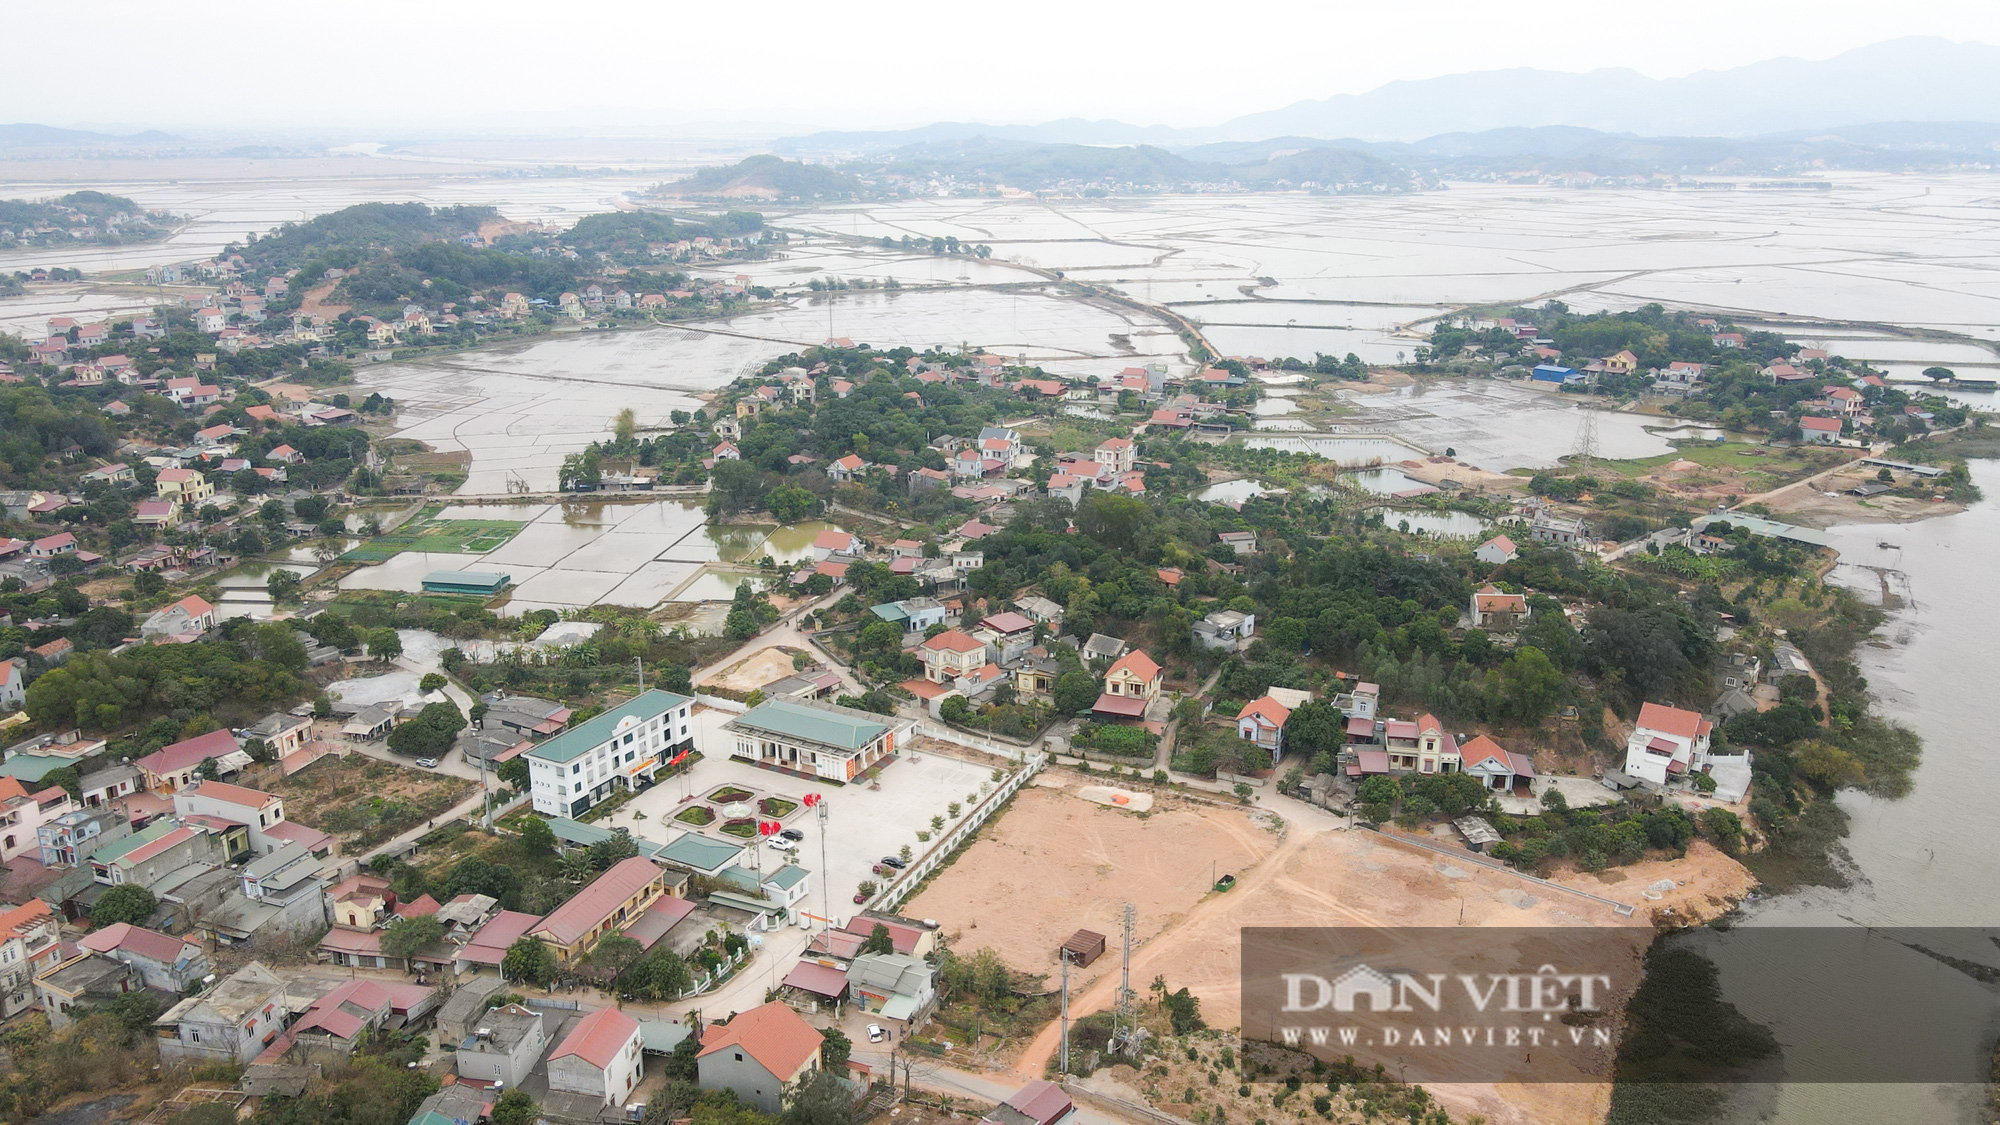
[21, 135]
[1034, 167]
[350, 233]
[765, 177]
[1915, 79]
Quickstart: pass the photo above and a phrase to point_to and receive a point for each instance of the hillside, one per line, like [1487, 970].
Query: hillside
[343, 237]
[764, 177]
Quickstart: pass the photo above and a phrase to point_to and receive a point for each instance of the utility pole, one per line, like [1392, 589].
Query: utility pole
[825, 895]
[641, 662]
[1125, 1021]
[1062, 1068]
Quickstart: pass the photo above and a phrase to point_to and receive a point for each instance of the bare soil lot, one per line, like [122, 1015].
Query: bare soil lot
[754, 671]
[364, 801]
[1053, 864]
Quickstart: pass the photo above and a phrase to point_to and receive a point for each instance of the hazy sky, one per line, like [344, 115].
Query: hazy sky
[860, 64]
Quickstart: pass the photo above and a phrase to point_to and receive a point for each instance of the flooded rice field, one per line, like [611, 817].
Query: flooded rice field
[1444, 525]
[584, 553]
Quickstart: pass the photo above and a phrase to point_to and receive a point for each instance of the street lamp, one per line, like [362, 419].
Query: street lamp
[818, 804]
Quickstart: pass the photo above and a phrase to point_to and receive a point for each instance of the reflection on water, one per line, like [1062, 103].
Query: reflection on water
[1236, 491]
[1387, 482]
[1341, 450]
[711, 586]
[256, 574]
[310, 552]
[793, 543]
[1448, 525]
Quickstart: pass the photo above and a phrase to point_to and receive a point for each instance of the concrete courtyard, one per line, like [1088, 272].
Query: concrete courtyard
[863, 824]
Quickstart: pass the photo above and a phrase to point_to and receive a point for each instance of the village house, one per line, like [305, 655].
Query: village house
[1131, 682]
[30, 944]
[1815, 430]
[342, 1019]
[833, 542]
[22, 814]
[602, 1056]
[894, 987]
[760, 1055]
[144, 857]
[1038, 1103]
[1225, 629]
[914, 615]
[505, 1047]
[1667, 743]
[259, 812]
[183, 486]
[169, 964]
[1262, 721]
[604, 906]
[1502, 770]
[174, 765]
[1497, 551]
[74, 986]
[1498, 611]
[1547, 527]
[951, 655]
[185, 620]
[814, 739]
[232, 1023]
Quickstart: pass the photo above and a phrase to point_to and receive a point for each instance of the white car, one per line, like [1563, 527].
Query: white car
[784, 845]
[876, 1034]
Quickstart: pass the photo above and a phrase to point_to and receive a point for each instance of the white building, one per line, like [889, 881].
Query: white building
[1667, 743]
[618, 749]
[601, 1056]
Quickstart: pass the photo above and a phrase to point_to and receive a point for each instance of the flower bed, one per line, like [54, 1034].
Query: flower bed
[729, 793]
[743, 827]
[697, 815]
[776, 807]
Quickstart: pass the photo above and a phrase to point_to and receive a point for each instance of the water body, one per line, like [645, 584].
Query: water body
[1233, 491]
[1341, 450]
[1387, 482]
[1445, 525]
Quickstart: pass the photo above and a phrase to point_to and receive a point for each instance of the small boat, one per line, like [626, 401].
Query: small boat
[1225, 883]
[1885, 545]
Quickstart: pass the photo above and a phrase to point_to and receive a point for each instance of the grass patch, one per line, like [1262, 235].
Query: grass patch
[728, 794]
[697, 815]
[776, 807]
[743, 827]
[427, 533]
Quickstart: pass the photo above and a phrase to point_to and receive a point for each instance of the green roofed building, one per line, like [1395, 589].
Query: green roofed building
[620, 749]
[699, 854]
[482, 583]
[816, 739]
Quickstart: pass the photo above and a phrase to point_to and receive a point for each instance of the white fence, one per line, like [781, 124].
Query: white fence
[906, 881]
[984, 744]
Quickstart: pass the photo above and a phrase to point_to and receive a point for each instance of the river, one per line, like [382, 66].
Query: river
[1925, 859]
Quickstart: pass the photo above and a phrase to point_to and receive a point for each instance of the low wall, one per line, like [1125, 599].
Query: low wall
[907, 880]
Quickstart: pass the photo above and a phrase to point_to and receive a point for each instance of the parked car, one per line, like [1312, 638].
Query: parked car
[894, 862]
[859, 897]
[784, 845]
[792, 834]
[876, 1034]
[883, 869]
[428, 763]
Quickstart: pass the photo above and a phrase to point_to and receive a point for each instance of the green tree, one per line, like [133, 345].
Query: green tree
[606, 853]
[615, 954]
[1379, 790]
[530, 961]
[1525, 687]
[282, 585]
[1074, 692]
[405, 937]
[68, 778]
[536, 835]
[1723, 827]
[431, 682]
[514, 772]
[430, 734]
[878, 940]
[789, 503]
[384, 644]
[280, 644]
[820, 1098]
[662, 975]
[127, 902]
[676, 678]
[955, 710]
[515, 1108]
[681, 1065]
[834, 1049]
[624, 427]
[1314, 727]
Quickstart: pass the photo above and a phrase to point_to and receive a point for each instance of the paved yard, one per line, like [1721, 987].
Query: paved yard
[863, 824]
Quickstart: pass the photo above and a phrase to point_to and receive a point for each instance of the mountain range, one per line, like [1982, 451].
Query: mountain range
[1902, 80]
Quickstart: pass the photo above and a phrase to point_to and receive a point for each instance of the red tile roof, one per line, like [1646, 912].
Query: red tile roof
[951, 640]
[1671, 720]
[1268, 709]
[1137, 663]
[588, 908]
[598, 1037]
[489, 944]
[188, 752]
[137, 940]
[234, 794]
[774, 1035]
[1124, 706]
